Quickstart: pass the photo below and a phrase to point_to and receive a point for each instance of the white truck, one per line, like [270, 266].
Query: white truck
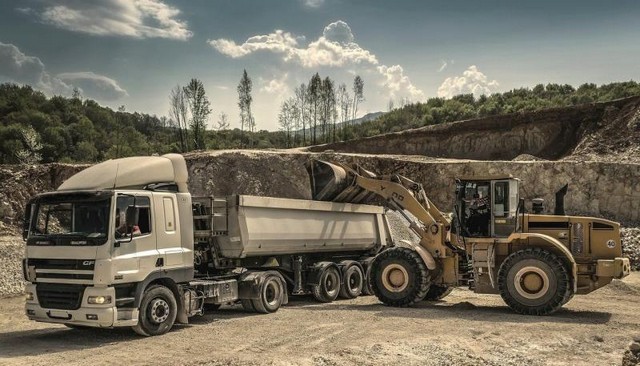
[123, 243]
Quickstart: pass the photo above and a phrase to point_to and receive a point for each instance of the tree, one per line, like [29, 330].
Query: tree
[32, 146]
[200, 108]
[390, 105]
[223, 122]
[244, 103]
[179, 112]
[286, 118]
[358, 94]
[328, 98]
[301, 106]
[344, 101]
[313, 95]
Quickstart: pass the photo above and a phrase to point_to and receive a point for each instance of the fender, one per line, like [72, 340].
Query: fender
[170, 277]
[424, 254]
[556, 244]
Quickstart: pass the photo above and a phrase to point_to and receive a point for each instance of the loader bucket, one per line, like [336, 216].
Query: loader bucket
[336, 182]
[327, 180]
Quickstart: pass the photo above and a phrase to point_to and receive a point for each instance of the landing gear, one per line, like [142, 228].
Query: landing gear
[399, 277]
[534, 282]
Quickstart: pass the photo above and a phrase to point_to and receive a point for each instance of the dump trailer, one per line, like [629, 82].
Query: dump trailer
[535, 261]
[123, 243]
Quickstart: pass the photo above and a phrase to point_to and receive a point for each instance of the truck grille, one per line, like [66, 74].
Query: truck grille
[62, 269]
[77, 264]
[55, 296]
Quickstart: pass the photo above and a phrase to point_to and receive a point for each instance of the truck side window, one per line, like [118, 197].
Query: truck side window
[142, 226]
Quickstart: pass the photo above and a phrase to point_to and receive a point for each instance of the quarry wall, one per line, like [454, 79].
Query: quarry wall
[548, 134]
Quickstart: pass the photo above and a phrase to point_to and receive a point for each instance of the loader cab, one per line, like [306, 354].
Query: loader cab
[487, 207]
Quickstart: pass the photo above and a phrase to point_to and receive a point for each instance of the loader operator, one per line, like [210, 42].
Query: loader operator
[478, 215]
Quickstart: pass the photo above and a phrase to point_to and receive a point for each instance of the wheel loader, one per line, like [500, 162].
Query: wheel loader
[535, 261]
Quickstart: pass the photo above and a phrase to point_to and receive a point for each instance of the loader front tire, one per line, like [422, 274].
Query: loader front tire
[399, 277]
[534, 281]
[437, 292]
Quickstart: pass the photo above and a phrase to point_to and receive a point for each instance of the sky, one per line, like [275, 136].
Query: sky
[133, 52]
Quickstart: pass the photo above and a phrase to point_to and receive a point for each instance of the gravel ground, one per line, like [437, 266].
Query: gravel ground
[11, 253]
[464, 329]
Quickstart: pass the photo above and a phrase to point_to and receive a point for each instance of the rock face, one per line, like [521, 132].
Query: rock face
[549, 134]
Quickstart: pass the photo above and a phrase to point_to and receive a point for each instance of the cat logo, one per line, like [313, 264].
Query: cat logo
[88, 263]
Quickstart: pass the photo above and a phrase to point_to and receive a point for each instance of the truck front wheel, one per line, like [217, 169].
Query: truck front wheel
[158, 311]
[534, 282]
[399, 277]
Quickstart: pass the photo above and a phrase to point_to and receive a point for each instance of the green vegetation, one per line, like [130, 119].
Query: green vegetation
[465, 106]
[34, 128]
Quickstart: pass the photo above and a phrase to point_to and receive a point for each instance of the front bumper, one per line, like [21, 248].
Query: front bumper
[101, 316]
[616, 268]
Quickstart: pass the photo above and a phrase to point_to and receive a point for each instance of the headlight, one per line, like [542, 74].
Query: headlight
[99, 300]
[29, 296]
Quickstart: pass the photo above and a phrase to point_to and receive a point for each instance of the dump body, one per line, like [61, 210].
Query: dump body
[267, 226]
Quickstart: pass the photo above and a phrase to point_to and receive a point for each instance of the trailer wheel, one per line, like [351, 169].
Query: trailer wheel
[437, 292]
[399, 277]
[271, 295]
[352, 281]
[329, 287]
[158, 311]
[534, 282]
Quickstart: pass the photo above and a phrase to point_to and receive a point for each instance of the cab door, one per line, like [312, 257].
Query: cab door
[134, 250]
[504, 207]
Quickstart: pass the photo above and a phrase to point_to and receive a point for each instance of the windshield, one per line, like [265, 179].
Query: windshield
[73, 218]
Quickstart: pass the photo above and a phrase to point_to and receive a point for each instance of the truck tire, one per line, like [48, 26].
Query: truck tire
[247, 305]
[366, 286]
[352, 281]
[437, 292]
[534, 282]
[329, 287]
[399, 277]
[271, 295]
[158, 311]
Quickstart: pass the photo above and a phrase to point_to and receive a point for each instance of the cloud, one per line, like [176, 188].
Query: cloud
[15, 66]
[136, 19]
[336, 48]
[471, 81]
[276, 86]
[313, 3]
[94, 85]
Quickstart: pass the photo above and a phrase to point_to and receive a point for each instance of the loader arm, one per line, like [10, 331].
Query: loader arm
[340, 183]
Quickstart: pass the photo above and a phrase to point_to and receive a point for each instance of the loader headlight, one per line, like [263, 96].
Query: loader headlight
[29, 296]
[99, 300]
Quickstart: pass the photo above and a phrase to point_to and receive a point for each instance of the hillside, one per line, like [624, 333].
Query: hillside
[607, 131]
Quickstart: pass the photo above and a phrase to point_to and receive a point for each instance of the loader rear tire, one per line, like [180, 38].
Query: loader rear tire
[352, 281]
[437, 292]
[534, 281]
[399, 277]
[329, 287]
[366, 286]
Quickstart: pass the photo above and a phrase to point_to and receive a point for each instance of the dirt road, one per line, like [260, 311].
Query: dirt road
[466, 329]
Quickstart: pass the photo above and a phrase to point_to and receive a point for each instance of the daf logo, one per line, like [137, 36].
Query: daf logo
[88, 263]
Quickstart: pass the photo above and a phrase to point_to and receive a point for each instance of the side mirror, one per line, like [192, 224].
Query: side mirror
[132, 216]
[26, 222]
